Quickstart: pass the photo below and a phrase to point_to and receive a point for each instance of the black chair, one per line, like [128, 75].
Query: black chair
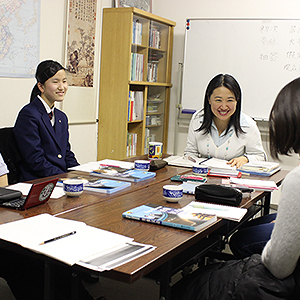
[10, 153]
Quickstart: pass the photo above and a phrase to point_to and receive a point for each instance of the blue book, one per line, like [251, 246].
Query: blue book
[128, 175]
[94, 184]
[168, 216]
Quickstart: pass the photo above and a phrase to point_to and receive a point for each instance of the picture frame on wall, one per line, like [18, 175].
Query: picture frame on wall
[145, 5]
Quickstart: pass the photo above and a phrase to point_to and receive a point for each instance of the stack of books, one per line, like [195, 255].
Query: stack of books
[221, 168]
[261, 168]
[256, 184]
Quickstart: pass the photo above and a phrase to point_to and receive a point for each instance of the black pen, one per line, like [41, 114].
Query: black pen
[58, 237]
[201, 162]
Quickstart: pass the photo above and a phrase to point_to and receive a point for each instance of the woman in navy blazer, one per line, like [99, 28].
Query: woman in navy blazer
[43, 140]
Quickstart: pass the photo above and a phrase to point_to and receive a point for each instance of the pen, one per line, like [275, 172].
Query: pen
[191, 159]
[201, 162]
[58, 237]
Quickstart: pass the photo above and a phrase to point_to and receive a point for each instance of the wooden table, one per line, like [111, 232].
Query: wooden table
[174, 246]
[170, 242]
[64, 204]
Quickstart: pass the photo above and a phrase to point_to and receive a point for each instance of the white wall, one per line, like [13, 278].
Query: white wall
[15, 92]
[179, 11]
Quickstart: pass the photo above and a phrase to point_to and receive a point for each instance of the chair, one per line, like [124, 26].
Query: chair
[10, 153]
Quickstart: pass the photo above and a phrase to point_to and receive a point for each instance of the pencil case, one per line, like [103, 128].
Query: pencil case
[218, 194]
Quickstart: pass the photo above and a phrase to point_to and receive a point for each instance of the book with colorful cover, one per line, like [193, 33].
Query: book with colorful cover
[94, 184]
[261, 168]
[126, 175]
[172, 217]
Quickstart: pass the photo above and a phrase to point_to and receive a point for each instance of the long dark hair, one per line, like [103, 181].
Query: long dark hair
[231, 84]
[45, 70]
[284, 121]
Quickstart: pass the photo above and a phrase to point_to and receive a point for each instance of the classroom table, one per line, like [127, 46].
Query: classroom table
[174, 247]
[63, 204]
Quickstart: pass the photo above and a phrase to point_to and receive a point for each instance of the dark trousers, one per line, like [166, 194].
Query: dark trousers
[252, 237]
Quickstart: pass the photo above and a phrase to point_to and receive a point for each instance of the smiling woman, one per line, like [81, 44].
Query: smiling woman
[41, 130]
[220, 129]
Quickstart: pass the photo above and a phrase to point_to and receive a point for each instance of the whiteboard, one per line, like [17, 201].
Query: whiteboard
[262, 55]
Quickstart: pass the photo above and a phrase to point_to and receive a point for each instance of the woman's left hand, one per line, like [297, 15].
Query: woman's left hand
[238, 161]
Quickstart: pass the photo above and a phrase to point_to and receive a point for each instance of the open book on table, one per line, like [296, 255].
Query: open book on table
[88, 246]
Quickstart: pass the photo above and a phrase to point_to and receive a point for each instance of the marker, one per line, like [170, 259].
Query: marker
[58, 237]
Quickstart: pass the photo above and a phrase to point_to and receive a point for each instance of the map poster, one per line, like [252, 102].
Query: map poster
[19, 37]
[81, 42]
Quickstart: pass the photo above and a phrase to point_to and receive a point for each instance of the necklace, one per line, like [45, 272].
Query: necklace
[226, 149]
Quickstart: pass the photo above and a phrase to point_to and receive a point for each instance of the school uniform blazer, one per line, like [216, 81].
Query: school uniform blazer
[45, 149]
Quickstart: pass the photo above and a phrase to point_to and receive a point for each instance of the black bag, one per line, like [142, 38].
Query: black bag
[157, 164]
[9, 194]
[218, 194]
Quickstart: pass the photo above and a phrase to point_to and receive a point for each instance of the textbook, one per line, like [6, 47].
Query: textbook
[168, 216]
[126, 175]
[261, 168]
[188, 187]
[220, 167]
[94, 184]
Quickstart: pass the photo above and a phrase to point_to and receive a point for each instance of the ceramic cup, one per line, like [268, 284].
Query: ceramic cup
[155, 150]
[172, 193]
[200, 170]
[73, 187]
[143, 165]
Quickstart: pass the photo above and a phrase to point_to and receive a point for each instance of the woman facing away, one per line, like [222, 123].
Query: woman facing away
[276, 273]
[220, 129]
[42, 130]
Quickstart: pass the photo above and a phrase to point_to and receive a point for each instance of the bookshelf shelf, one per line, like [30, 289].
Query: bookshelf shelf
[136, 60]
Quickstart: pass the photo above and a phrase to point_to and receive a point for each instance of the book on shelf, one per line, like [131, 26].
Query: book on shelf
[137, 31]
[256, 184]
[103, 250]
[222, 211]
[137, 66]
[154, 37]
[131, 144]
[135, 106]
[126, 175]
[261, 168]
[94, 184]
[169, 216]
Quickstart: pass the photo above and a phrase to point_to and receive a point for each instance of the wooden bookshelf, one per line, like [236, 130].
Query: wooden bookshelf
[155, 43]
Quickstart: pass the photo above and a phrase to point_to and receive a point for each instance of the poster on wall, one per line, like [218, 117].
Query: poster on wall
[80, 49]
[145, 5]
[19, 38]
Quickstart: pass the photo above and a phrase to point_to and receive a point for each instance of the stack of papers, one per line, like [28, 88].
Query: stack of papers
[262, 168]
[84, 245]
[260, 185]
